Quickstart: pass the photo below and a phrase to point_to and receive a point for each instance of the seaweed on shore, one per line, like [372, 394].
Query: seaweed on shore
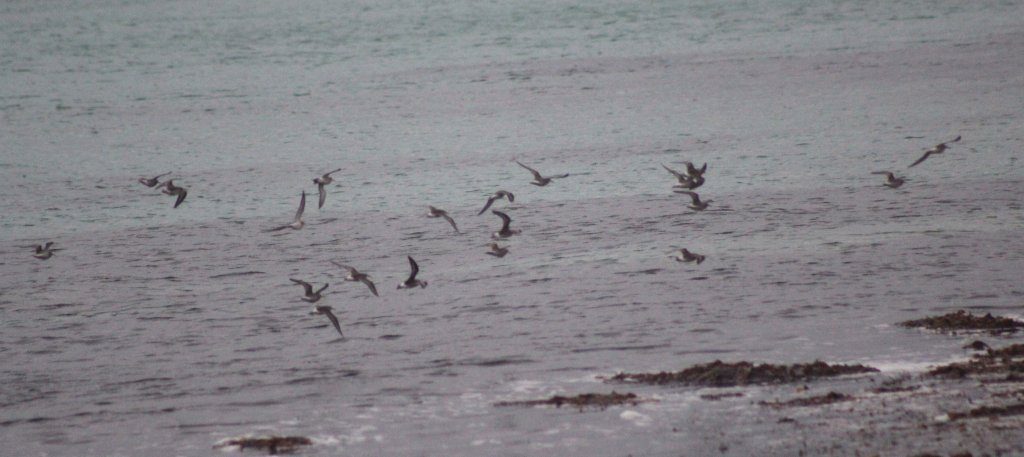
[721, 374]
[827, 399]
[716, 397]
[963, 320]
[581, 401]
[1005, 362]
[990, 411]
[274, 445]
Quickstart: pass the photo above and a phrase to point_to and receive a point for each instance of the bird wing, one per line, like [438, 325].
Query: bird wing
[511, 198]
[925, 156]
[351, 270]
[329, 173]
[305, 285]
[690, 169]
[954, 140]
[563, 175]
[450, 221]
[415, 269]
[161, 175]
[182, 193]
[322, 288]
[326, 310]
[677, 174]
[490, 200]
[536, 174]
[323, 194]
[46, 247]
[369, 284]
[505, 220]
[888, 174]
[302, 207]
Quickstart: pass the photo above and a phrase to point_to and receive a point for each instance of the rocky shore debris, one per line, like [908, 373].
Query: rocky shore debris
[996, 365]
[716, 397]
[820, 400]
[964, 321]
[1015, 409]
[274, 445]
[602, 401]
[722, 374]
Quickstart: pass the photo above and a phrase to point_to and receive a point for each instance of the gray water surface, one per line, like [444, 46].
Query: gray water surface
[161, 331]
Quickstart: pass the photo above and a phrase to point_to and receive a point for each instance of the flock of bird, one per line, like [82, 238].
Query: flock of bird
[692, 178]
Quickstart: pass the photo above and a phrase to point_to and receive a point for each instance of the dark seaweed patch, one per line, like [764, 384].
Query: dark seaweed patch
[963, 320]
[273, 444]
[716, 397]
[990, 411]
[721, 374]
[827, 399]
[580, 401]
[1000, 362]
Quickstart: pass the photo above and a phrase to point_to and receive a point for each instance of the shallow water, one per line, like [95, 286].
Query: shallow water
[161, 331]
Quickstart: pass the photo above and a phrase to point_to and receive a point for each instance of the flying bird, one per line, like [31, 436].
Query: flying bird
[152, 182]
[695, 172]
[437, 212]
[497, 251]
[314, 297]
[311, 296]
[412, 282]
[171, 189]
[937, 149]
[695, 198]
[497, 196]
[685, 181]
[891, 179]
[298, 223]
[686, 256]
[539, 180]
[321, 182]
[505, 232]
[45, 251]
[355, 275]
[326, 311]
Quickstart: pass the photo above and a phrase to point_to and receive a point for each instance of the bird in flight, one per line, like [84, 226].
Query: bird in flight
[497, 196]
[152, 182]
[695, 172]
[539, 180]
[412, 282]
[891, 179]
[314, 297]
[297, 223]
[355, 275]
[437, 212]
[696, 204]
[937, 149]
[321, 182]
[685, 181]
[505, 232]
[497, 251]
[45, 251]
[683, 255]
[171, 189]
[311, 296]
